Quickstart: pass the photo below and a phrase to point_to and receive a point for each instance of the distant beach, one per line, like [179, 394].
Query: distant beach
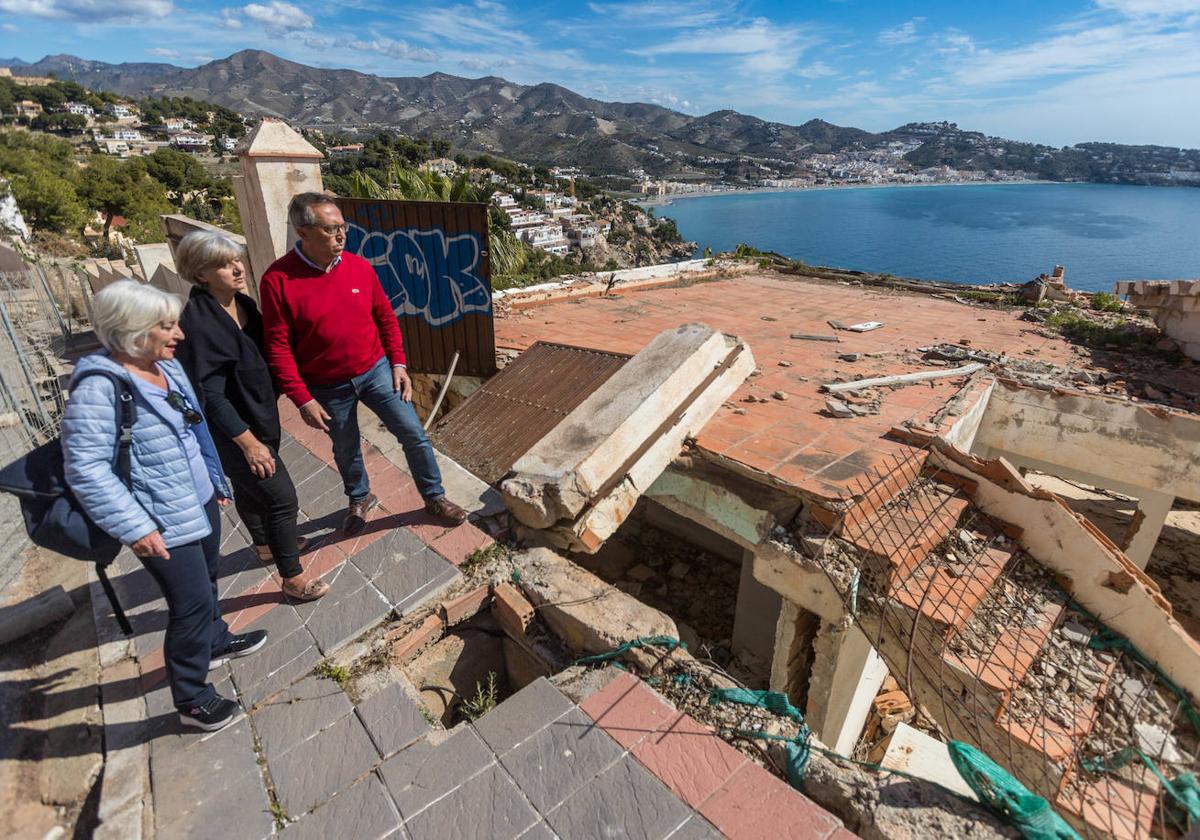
[665, 200]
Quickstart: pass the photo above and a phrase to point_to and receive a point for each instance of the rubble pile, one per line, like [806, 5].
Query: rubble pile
[1020, 599]
[1066, 678]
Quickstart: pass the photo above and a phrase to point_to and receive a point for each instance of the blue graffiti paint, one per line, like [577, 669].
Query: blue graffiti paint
[425, 272]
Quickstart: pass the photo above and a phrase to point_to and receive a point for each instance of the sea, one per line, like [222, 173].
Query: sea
[968, 233]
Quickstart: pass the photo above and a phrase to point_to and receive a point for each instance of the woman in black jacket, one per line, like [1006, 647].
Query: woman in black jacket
[222, 353]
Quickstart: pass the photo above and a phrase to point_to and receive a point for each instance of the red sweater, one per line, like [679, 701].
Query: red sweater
[321, 329]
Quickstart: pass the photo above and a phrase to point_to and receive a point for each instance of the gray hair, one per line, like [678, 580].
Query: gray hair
[300, 208]
[124, 312]
[201, 250]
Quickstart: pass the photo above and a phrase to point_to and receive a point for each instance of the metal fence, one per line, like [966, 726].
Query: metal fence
[43, 317]
[991, 648]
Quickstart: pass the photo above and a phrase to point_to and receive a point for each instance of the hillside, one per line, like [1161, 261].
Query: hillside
[549, 124]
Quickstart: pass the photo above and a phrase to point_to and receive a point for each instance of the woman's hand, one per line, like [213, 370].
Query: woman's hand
[151, 545]
[258, 455]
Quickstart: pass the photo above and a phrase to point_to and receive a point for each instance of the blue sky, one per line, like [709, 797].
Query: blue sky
[1050, 71]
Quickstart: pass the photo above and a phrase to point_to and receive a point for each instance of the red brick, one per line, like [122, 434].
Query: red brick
[689, 758]
[754, 804]
[628, 710]
[513, 612]
[465, 605]
[408, 646]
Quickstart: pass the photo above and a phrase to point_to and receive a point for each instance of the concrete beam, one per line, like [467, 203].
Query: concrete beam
[568, 468]
[798, 580]
[1144, 446]
[1146, 526]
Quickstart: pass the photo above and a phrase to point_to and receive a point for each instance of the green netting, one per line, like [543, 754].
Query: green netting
[995, 786]
[669, 642]
[797, 748]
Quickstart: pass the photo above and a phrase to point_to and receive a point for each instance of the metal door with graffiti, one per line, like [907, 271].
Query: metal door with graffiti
[432, 259]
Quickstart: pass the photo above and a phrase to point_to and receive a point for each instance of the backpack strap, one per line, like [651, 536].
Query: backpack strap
[123, 466]
[127, 416]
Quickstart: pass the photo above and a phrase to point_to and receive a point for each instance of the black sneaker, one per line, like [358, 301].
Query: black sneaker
[241, 645]
[213, 715]
[356, 514]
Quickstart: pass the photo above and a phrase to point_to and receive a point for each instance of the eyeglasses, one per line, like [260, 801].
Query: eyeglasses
[180, 403]
[329, 230]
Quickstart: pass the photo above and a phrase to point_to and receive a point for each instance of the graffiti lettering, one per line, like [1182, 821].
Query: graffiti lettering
[425, 272]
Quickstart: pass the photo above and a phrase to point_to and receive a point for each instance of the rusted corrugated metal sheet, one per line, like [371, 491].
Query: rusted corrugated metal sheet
[501, 421]
[432, 259]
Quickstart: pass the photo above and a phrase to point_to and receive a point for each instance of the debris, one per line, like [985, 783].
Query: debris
[1075, 632]
[679, 570]
[783, 363]
[901, 379]
[838, 408]
[849, 357]
[865, 326]
[640, 573]
[779, 395]
[740, 411]
[768, 318]
[814, 337]
[1157, 743]
[837, 325]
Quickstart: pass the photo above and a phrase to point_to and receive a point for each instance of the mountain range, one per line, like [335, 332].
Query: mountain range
[547, 123]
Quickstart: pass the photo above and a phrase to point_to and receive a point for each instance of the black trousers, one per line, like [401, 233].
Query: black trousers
[195, 629]
[268, 507]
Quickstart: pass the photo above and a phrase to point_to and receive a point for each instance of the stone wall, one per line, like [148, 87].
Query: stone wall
[1174, 305]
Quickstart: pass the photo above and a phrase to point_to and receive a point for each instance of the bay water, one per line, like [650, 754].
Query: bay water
[973, 233]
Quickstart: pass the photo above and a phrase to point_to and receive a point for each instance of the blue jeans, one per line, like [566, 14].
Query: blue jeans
[375, 390]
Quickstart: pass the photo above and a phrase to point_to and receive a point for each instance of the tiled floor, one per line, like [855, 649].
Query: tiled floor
[538, 766]
[794, 441]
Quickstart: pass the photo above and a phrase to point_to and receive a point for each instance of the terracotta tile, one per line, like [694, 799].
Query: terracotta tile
[459, 543]
[754, 804]
[154, 670]
[689, 758]
[628, 710]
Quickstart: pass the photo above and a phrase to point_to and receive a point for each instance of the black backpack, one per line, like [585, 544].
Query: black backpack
[54, 519]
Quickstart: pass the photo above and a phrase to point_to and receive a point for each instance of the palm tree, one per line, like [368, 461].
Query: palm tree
[509, 255]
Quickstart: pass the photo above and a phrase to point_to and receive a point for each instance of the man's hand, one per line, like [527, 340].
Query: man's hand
[151, 545]
[315, 416]
[258, 456]
[401, 383]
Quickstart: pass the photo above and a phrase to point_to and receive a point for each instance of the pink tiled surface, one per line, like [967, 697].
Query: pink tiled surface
[792, 440]
[400, 506]
[737, 796]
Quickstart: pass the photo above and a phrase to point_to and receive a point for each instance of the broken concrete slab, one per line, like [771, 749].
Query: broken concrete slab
[912, 751]
[587, 613]
[629, 429]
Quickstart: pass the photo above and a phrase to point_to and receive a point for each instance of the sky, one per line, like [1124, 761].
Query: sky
[1051, 71]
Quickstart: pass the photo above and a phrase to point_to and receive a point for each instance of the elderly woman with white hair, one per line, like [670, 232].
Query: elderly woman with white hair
[222, 354]
[168, 514]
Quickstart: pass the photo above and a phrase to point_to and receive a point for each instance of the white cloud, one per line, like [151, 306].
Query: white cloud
[278, 16]
[89, 11]
[390, 48]
[905, 33]
[762, 49]
[816, 70]
[163, 52]
[675, 14]
[9, 27]
[1151, 8]
[230, 20]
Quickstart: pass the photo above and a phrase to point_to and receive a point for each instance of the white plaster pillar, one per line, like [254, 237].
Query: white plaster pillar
[1149, 520]
[277, 163]
[846, 676]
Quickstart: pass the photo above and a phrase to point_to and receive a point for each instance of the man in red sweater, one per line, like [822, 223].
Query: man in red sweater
[332, 339]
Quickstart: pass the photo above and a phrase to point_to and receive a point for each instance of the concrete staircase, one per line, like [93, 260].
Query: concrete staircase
[974, 630]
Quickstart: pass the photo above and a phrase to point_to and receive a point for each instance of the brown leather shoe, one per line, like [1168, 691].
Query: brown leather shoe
[356, 514]
[304, 590]
[265, 555]
[445, 511]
